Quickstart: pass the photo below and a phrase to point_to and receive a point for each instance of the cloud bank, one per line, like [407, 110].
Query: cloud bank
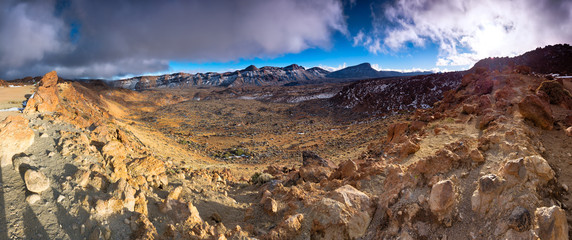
[468, 30]
[83, 38]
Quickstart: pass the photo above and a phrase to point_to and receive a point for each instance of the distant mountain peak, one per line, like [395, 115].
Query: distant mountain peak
[294, 67]
[250, 68]
[364, 65]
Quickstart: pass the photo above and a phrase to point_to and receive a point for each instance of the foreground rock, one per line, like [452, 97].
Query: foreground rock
[345, 215]
[36, 181]
[442, 198]
[15, 137]
[552, 223]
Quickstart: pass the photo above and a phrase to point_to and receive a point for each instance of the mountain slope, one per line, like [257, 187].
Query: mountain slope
[396, 94]
[251, 76]
[364, 70]
[550, 59]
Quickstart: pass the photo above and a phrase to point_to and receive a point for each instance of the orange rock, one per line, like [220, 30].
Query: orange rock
[396, 132]
[141, 204]
[82, 177]
[270, 206]
[442, 198]
[108, 207]
[176, 193]
[145, 229]
[45, 99]
[536, 110]
[476, 156]
[348, 169]
[15, 137]
[147, 166]
[407, 148]
[114, 150]
[552, 223]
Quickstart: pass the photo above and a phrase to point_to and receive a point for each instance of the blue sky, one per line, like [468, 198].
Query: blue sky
[116, 39]
[342, 51]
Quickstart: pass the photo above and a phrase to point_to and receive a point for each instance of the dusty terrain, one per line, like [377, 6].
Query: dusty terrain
[12, 97]
[488, 161]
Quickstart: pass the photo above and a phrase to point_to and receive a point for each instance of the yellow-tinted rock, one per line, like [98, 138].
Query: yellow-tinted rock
[15, 137]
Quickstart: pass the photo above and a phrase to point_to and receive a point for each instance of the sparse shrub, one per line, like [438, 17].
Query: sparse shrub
[554, 90]
[260, 178]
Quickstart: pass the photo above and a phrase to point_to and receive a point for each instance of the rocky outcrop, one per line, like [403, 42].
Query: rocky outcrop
[346, 215]
[536, 110]
[45, 99]
[15, 137]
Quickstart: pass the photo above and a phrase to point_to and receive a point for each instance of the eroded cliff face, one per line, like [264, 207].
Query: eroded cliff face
[488, 161]
[251, 76]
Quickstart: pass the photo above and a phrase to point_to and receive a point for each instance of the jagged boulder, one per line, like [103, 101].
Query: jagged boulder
[346, 214]
[45, 99]
[442, 198]
[551, 223]
[314, 168]
[539, 167]
[489, 188]
[15, 137]
[538, 111]
[396, 132]
[346, 169]
[289, 228]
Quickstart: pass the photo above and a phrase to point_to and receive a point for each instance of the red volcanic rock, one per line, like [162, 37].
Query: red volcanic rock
[45, 99]
[483, 86]
[396, 132]
[536, 110]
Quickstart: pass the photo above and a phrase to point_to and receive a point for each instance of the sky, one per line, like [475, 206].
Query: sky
[112, 39]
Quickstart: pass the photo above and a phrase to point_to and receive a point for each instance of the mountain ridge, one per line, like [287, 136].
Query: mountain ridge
[253, 76]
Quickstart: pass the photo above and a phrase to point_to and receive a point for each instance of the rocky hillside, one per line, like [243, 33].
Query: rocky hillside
[490, 160]
[365, 71]
[397, 94]
[550, 59]
[392, 95]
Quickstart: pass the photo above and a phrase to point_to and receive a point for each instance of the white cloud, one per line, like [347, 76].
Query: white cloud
[408, 70]
[332, 69]
[372, 44]
[469, 30]
[112, 35]
[28, 32]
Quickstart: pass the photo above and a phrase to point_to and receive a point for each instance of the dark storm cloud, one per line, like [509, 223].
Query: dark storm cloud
[469, 30]
[107, 38]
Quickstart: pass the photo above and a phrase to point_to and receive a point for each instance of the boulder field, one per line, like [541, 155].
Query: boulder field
[480, 164]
